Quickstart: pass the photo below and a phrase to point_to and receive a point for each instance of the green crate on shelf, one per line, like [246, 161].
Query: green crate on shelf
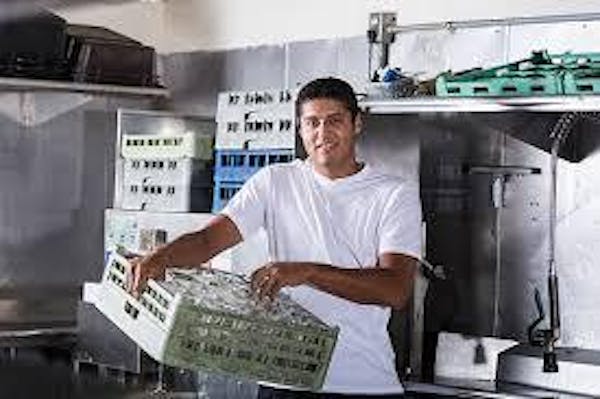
[507, 85]
[582, 82]
[575, 60]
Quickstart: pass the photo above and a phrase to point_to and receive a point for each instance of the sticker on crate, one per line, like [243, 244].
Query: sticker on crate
[256, 120]
[207, 320]
[185, 145]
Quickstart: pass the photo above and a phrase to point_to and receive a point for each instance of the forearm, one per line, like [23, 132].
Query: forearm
[194, 249]
[380, 286]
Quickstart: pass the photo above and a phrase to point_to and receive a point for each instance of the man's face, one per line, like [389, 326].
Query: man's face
[328, 132]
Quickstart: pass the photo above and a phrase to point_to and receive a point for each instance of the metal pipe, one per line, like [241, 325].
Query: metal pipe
[560, 132]
[384, 58]
[498, 272]
[498, 186]
[552, 272]
[483, 23]
[552, 209]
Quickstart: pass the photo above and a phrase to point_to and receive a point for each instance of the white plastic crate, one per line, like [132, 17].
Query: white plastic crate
[170, 185]
[207, 320]
[255, 100]
[184, 145]
[178, 172]
[147, 319]
[256, 120]
[163, 197]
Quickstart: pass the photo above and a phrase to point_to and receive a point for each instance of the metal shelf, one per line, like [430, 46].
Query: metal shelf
[504, 104]
[21, 84]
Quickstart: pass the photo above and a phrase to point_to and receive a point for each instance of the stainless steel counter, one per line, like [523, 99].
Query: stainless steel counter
[466, 388]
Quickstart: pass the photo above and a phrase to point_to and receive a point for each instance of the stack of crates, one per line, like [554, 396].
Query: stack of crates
[166, 170]
[254, 129]
[541, 75]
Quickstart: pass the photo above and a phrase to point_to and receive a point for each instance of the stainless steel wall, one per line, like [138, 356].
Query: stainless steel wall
[437, 148]
[56, 156]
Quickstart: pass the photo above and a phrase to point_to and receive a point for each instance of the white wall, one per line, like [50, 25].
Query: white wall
[240, 23]
[188, 25]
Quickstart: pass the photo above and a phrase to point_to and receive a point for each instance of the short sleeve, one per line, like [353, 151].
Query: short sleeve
[247, 209]
[400, 225]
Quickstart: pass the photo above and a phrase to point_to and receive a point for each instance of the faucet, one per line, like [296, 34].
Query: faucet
[547, 338]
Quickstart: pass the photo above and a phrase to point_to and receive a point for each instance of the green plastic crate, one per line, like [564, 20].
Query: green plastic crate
[582, 82]
[540, 75]
[508, 85]
[218, 331]
[575, 60]
[207, 320]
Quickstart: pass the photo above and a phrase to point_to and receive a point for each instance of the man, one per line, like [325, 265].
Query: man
[343, 239]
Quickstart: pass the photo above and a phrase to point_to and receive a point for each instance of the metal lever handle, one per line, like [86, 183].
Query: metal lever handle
[536, 337]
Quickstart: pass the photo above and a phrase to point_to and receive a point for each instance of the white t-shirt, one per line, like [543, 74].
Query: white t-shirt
[346, 222]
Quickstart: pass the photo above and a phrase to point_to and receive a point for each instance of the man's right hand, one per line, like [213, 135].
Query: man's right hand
[188, 250]
[152, 266]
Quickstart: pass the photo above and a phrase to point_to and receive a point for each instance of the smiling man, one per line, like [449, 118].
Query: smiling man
[343, 241]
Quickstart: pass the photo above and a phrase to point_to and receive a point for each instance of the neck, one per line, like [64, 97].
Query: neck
[338, 171]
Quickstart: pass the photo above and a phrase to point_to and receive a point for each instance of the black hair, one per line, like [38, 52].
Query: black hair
[331, 88]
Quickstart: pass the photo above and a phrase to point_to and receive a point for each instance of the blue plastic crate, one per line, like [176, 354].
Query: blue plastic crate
[223, 191]
[239, 165]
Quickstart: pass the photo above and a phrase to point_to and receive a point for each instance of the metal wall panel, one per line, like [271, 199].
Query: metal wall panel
[310, 60]
[195, 79]
[56, 178]
[253, 68]
[353, 64]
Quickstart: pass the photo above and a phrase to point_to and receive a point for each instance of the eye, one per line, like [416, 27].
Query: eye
[310, 123]
[335, 120]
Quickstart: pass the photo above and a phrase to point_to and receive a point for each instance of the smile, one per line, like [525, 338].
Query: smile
[325, 146]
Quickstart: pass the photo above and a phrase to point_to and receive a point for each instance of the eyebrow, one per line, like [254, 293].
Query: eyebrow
[326, 116]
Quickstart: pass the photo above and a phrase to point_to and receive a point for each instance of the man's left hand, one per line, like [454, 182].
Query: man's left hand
[270, 278]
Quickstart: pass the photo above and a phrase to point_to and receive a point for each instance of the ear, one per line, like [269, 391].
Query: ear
[358, 123]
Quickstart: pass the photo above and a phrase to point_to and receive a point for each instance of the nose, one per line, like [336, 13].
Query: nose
[323, 130]
[321, 135]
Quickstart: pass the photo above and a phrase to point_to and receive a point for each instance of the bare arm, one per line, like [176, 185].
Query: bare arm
[189, 250]
[390, 283]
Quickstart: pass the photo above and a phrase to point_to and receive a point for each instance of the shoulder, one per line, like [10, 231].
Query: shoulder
[276, 175]
[283, 171]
